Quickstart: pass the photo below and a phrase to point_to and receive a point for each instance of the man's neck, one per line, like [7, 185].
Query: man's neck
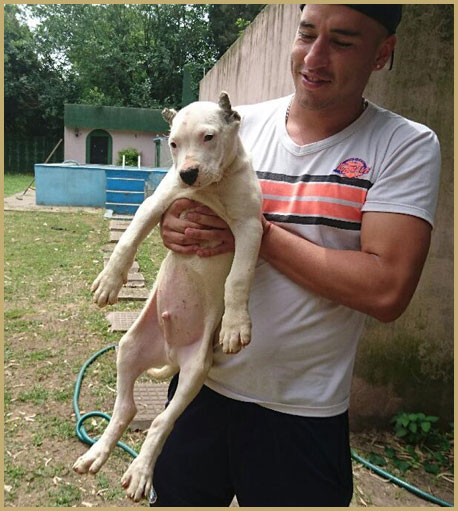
[306, 125]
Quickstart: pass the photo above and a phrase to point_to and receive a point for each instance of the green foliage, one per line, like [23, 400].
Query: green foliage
[422, 446]
[414, 428]
[227, 22]
[100, 54]
[131, 155]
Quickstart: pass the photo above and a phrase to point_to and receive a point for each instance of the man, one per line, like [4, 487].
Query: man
[349, 192]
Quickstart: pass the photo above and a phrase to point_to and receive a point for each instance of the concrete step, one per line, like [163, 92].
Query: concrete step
[150, 399]
[133, 294]
[122, 321]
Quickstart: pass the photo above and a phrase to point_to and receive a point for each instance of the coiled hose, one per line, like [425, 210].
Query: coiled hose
[85, 438]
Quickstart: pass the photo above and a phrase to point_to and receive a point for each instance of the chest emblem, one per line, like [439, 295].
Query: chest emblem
[353, 167]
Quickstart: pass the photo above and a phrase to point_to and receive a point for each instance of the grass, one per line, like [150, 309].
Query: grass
[15, 183]
[51, 328]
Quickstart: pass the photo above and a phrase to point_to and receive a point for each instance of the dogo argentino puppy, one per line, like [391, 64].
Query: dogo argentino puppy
[192, 296]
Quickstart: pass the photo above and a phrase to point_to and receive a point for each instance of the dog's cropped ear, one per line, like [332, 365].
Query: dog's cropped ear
[168, 114]
[225, 104]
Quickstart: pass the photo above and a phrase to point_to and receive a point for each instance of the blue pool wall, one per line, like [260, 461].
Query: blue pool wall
[90, 185]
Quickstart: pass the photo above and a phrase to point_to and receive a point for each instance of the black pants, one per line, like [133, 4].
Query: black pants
[221, 447]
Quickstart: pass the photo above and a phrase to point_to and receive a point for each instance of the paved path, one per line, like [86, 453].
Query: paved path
[26, 202]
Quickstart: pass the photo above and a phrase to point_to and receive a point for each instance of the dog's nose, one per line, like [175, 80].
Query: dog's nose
[189, 176]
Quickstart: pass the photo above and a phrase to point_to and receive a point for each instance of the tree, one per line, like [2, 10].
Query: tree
[227, 21]
[109, 54]
[34, 91]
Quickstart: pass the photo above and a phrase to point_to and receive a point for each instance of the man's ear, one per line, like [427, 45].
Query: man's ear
[225, 104]
[384, 52]
[168, 114]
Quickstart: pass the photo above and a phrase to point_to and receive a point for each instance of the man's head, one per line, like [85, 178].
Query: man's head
[336, 49]
[387, 15]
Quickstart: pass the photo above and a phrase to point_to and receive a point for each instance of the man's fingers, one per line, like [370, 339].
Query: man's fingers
[183, 249]
[206, 220]
[222, 248]
[179, 238]
[209, 234]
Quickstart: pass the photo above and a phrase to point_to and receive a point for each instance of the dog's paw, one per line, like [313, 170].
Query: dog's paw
[235, 332]
[92, 460]
[137, 479]
[106, 288]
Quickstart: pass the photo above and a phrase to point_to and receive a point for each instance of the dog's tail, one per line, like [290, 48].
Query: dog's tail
[162, 373]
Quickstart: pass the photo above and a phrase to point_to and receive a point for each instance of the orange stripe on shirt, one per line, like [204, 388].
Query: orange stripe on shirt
[329, 190]
[312, 208]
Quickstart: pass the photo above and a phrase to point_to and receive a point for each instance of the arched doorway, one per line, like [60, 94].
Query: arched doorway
[99, 147]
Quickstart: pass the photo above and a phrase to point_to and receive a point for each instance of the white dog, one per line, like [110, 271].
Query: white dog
[176, 329]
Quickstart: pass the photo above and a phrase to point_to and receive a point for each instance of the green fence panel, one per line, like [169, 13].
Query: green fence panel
[21, 154]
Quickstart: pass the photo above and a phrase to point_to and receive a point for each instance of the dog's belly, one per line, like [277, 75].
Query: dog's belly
[190, 292]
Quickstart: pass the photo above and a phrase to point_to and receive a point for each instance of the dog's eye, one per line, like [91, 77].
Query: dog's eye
[173, 145]
[207, 138]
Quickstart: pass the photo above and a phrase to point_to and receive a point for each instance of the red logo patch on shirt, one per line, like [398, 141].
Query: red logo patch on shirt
[353, 167]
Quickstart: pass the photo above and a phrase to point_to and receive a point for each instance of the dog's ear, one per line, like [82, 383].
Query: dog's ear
[168, 114]
[225, 104]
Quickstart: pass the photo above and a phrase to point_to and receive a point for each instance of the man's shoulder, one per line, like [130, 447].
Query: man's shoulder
[396, 124]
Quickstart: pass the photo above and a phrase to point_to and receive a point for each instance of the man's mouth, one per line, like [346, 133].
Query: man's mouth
[315, 81]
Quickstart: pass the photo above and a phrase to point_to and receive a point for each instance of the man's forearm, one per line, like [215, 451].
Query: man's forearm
[360, 280]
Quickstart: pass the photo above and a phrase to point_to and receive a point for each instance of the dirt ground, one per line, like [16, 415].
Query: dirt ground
[40, 442]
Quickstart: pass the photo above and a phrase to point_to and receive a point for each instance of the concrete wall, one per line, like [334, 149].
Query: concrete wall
[407, 364]
[75, 146]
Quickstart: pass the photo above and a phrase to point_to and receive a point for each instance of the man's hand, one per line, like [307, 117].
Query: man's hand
[184, 235]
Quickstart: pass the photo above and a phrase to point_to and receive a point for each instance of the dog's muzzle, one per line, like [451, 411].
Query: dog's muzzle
[189, 176]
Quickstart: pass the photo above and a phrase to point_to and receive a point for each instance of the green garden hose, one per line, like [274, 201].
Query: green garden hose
[84, 437]
[403, 484]
[80, 429]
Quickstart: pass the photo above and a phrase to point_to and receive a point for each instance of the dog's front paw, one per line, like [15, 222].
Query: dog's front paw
[106, 288]
[235, 332]
[92, 460]
[137, 479]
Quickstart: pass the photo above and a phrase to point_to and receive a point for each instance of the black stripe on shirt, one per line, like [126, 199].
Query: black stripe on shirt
[313, 220]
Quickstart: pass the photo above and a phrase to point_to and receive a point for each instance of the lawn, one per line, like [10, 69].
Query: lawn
[51, 329]
[15, 183]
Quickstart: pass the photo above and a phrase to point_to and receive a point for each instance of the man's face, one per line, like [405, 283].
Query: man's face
[335, 50]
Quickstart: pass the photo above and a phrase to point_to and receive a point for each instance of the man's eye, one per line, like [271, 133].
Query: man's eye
[343, 44]
[305, 36]
[207, 138]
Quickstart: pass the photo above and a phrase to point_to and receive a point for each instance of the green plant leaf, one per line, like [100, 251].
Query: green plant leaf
[431, 468]
[425, 426]
[376, 459]
[413, 427]
[401, 432]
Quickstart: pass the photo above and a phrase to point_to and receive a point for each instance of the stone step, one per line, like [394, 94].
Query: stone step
[122, 321]
[133, 294]
[115, 236]
[150, 399]
[119, 225]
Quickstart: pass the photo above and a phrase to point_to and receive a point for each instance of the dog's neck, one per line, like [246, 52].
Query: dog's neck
[237, 158]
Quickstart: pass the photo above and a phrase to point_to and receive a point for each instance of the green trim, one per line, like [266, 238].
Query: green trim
[115, 118]
[99, 133]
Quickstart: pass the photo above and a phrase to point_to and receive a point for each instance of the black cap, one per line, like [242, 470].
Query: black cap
[389, 15]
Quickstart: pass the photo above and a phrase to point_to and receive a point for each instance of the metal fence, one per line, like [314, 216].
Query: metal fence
[22, 153]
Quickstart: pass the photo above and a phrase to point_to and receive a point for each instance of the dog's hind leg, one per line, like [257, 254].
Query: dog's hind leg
[195, 361]
[140, 348]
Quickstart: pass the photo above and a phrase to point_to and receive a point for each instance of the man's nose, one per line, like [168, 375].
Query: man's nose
[189, 176]
[317, 54]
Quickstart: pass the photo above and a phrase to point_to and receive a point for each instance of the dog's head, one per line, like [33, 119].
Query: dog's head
[203, 140]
